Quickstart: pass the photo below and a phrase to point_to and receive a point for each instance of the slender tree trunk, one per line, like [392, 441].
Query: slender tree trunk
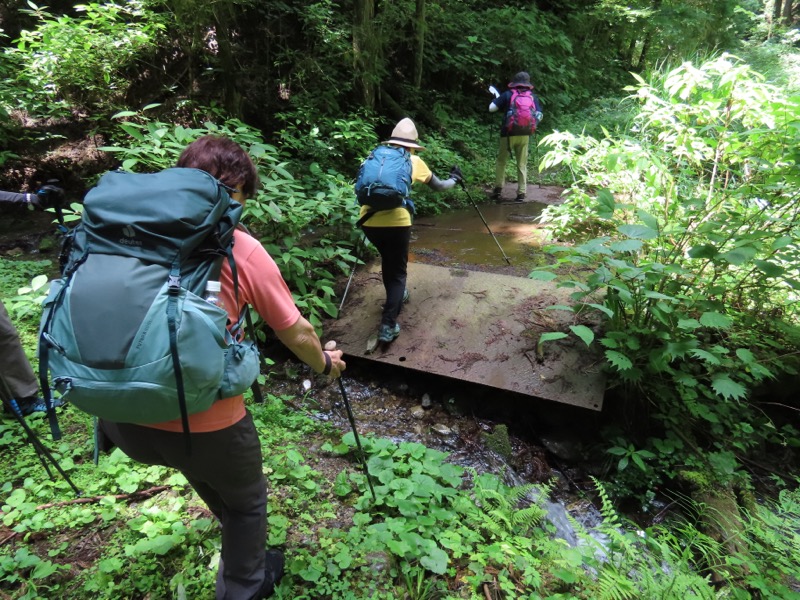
[787, 12]
[364, 51]
[777, 6]
[232, 98]
[419, 31]
[656, 6]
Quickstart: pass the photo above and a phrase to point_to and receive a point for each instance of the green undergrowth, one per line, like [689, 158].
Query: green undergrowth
[434, 530]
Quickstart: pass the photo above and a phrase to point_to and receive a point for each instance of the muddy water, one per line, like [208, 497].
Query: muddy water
[482, 237]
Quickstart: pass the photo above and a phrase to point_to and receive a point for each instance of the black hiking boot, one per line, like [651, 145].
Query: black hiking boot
[497, 195]
[520, 197]
[274, 573]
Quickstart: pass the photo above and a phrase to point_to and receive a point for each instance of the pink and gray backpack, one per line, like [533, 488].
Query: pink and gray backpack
[521, 119]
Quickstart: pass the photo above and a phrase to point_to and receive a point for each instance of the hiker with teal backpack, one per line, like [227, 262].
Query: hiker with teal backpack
[383, 190]
[522, 112]
[166, 375]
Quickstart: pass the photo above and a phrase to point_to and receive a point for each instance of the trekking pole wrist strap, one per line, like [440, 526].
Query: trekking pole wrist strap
[328, 364]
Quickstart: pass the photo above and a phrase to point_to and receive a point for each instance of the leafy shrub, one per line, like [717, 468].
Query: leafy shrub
[86, 60]
[694, 263]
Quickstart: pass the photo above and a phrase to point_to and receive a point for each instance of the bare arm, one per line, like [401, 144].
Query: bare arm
[302, 340]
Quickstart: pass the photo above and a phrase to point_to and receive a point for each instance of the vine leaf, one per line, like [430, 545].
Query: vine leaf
[727, 387]
[715, 320]
[619, 360]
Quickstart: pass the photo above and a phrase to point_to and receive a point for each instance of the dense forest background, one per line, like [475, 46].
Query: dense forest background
[672, 127]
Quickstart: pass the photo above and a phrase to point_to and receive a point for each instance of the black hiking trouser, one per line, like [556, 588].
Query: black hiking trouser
[225, 469]
[392, 243]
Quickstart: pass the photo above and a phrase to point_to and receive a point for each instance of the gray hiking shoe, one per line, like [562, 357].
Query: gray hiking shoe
[387, 333]
[405, 295]
[33, 404]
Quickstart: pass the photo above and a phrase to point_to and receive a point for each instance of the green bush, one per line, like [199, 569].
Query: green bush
[682, 234]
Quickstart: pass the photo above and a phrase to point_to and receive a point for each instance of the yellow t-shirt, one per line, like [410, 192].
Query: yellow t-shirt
[399, 217]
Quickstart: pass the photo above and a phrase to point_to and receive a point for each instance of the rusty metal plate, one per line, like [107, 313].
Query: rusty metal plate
[475, 326]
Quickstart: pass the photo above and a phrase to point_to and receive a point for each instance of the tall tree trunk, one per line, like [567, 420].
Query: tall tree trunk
[365, 51]
[232, 98]
[419, 32]
[777, 6]
[787, 12]
[656, 6]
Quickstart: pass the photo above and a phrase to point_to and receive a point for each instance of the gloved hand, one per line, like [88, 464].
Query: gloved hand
[34, 202]
[455, 173]
[50, 195]
[539, 116]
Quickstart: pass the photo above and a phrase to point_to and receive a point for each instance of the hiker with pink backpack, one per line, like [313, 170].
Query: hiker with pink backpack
[522, 112]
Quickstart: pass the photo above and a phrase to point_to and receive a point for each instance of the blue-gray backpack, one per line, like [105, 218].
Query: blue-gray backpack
[126, 333]
[384, 179]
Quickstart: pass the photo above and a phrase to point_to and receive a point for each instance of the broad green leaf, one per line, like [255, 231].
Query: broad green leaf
[769, 268]
[605, 203]
[684, 379]
[561, 307]
[602, 308]
[618, 360]
[132, 131]
[705, 356]
[688, 323]
[745, 355]
[657, 295]
[739, 256]
[715, 320]
[648, 219]
[551, 336]
[583, 332]
[782, 242]
[639, 232]
[727, 388]
[626, 246]
[436, 561]
[542, 275]
[703, 251]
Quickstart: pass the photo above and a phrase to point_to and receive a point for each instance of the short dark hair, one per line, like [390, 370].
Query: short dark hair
[224, 159]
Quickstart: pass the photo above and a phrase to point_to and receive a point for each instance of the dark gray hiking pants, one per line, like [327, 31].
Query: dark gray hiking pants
[225, 469]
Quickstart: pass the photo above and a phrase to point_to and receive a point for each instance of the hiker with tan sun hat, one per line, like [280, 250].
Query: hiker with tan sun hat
[383, 189]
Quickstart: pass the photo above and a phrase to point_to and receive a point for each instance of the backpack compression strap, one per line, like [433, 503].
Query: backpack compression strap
[257, 395]
[174, 288]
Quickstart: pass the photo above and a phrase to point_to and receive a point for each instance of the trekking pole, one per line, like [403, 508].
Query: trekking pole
[355, 434]
[536, 158]
[464, 187]
[41, 450]
[350, 280]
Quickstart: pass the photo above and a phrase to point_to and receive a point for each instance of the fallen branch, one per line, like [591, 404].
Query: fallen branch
[10, 536]
[139, 494]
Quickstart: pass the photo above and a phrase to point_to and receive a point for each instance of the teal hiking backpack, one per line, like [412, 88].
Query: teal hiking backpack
[384, 179]
[126, 334]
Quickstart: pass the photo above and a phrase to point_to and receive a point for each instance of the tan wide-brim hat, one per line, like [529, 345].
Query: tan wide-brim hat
[405, 134]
